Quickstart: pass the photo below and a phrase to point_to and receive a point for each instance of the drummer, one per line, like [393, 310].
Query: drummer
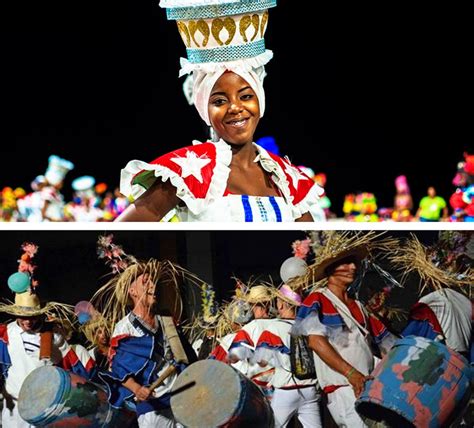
[147, 350]
[443, 312]
[31, 340]
[340, 331]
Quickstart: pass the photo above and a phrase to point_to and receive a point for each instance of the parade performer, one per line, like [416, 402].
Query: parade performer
[292, 395]
[259, 297]
[33, 339]
[443, 312]
[147, 351]
[229, 178]
[342, 334]
[403, 202]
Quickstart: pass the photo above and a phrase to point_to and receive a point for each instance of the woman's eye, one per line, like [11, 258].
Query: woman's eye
[218, 102]
[246, 97]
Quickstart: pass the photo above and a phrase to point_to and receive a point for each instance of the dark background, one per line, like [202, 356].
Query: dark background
[97, 83]
[69, 271]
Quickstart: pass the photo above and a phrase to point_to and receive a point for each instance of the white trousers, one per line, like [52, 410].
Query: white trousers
[161, 419]
[341, 405]
[13, 419]
[303, 402]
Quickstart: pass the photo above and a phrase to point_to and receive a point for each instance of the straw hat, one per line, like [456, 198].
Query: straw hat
[258, 294]
[447, 263]
[27, 302]
[331, 247]
[286, 293]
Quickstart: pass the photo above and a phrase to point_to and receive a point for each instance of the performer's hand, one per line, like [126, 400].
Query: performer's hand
[357, 381]
[142, 393]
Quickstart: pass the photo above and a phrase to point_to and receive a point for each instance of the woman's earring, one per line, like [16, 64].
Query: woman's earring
[214, 137]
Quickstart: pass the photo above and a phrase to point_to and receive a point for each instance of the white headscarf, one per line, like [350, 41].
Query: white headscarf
[205, 76]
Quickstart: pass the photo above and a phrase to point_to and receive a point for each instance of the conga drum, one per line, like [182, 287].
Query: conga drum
[419, 383]
[53, 397]
[212, 394]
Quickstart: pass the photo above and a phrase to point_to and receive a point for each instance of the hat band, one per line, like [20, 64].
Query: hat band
[214, 11]
[226, 53]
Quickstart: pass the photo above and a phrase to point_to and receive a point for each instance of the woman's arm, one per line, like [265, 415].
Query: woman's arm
[305, 217]
[158, 200]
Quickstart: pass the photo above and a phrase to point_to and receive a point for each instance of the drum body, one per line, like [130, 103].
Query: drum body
[53, 397]
[419, 383]
[212, 394]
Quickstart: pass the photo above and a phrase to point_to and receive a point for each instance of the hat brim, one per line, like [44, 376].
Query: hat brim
[287, 299]
[321, 270]
[21, 311]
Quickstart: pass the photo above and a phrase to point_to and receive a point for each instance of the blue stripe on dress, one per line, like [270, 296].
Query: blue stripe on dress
[276, 208]
[247, 208]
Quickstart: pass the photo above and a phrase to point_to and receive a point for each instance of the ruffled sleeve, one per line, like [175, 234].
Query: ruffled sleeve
[300, 191]
[199, 173]
[5, 361]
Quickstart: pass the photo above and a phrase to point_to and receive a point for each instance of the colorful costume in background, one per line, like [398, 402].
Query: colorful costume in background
[292, 395]
[200, 175]
[354, 334]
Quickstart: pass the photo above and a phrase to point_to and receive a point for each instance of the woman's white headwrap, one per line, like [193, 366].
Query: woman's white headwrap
[205, 76]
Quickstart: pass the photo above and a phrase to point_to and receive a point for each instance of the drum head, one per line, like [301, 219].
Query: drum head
[210, 395]
[41, 392]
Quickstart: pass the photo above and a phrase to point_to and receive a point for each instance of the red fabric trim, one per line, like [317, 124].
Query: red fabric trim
[90, 364]
[4, 333]
[270, 339]
[242, 336]
[69, 360]
[219, 354]
[422, 312]
[356, 312]
[331, 388]
[114, 343]
[304, 186]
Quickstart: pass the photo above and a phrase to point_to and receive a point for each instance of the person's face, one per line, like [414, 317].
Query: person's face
[431, 192]
[260, 311]
[234, 111]
[345, 272]
[29, 324]
[143, 291]
[102, 337]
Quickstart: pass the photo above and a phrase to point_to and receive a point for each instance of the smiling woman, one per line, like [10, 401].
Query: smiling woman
[229, 178]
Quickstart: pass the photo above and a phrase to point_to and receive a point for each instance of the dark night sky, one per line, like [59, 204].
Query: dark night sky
[69, 270]
[97, 84]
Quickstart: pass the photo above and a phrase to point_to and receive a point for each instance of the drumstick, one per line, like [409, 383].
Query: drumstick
[165, 375]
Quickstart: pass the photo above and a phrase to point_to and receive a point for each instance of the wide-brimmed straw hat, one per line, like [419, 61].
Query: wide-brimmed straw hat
[445, 264]
[27, 302]
[258, 294]
[331, 247]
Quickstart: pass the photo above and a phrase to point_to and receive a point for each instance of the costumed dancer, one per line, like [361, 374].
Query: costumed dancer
[342, 334]
[235, 314]
[403, 202]
[33, 340]
[462, 200]
[229, 178]
[444, 312]
[295, 393]
[259, 297]
[147, 351]
[85, 204]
